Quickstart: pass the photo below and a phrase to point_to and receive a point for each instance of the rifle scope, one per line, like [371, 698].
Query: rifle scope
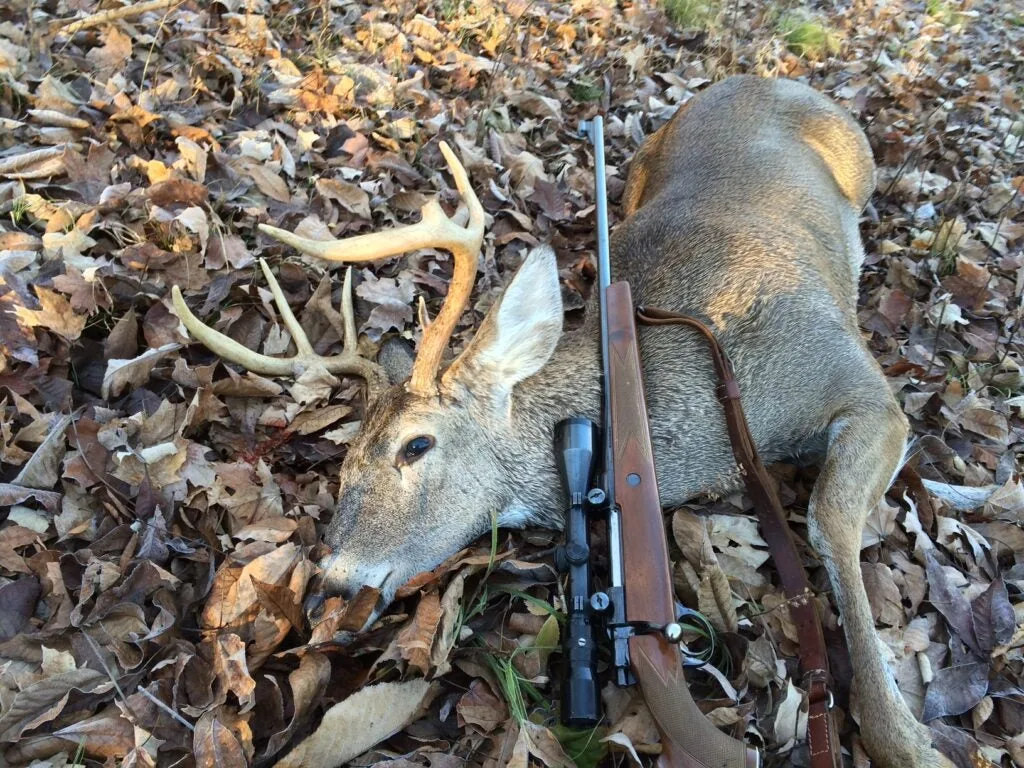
[575, 447]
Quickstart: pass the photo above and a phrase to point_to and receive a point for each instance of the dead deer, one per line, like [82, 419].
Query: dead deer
[743, 209]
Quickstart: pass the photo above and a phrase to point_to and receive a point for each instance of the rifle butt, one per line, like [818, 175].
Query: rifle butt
[689, 739]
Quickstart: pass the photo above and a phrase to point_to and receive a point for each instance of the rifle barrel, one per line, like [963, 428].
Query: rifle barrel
[594, 130]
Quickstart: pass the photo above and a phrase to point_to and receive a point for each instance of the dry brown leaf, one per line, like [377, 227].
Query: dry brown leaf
[215, 746]
[451, 609]
[43, 701]
[233, 598]
[542, 744]
[229, 663]
[132, 374]
[308, 684]
[42, 469]
[532, 663]
[790, 724]
[37, 164]
[361, 721]
[55, 314]
[280, 600]
[637, 727]
[417, 637]
[352, 198]
[273, 529]
[103, 736]
[714, 599]
[884, 596]
[480, 707]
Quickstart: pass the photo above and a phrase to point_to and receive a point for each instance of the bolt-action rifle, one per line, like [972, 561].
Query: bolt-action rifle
[609, 471]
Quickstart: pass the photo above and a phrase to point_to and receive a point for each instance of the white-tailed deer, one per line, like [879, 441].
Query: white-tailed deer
[742, 209]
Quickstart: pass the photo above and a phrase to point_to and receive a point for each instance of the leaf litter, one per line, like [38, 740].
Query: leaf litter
[162, 509]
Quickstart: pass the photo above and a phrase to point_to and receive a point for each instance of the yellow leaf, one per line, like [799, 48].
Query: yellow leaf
[55, 315]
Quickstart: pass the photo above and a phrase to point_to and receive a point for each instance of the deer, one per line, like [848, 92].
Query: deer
[742, 209]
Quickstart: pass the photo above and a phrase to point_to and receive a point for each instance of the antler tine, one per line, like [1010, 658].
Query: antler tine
[348, 362]
[434, 230]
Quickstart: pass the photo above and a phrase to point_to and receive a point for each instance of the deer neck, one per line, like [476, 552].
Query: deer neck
[569, 385]
[691, 457]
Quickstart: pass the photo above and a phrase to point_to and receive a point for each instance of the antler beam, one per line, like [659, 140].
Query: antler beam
[434, 230]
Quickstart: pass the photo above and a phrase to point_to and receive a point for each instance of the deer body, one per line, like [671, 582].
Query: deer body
[742, 209]
[696, 240]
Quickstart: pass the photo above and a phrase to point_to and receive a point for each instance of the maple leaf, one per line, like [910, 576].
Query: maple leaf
[55, 314]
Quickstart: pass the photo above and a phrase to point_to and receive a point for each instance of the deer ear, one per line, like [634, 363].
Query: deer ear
[519, 334]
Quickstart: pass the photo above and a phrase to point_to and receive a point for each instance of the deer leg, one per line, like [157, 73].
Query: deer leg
[865, 448]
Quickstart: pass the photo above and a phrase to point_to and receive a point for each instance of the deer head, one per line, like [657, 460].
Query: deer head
[439, 458]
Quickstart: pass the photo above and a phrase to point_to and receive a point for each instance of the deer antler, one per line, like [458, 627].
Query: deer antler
[434, 230]
[348, 361]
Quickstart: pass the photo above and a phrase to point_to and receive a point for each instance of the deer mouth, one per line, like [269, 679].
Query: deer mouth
[316, 598]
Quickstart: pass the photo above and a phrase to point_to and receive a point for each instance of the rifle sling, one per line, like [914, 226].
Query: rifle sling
[821, 729]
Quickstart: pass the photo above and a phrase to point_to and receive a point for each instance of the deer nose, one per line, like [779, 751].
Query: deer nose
[343, 574]
[345, 577]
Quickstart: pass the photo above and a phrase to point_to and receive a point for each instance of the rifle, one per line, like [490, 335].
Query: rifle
[639, 613]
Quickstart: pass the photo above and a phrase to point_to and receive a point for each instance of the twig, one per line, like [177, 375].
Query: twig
[106, 668]
[165, 708]
[115, 14]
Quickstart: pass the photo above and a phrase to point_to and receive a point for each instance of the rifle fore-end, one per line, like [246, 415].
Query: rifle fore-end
[689, 739]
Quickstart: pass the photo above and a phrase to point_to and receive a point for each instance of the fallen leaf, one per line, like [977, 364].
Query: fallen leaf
[233, 597]
[955, 690]
[417, 637]
[480, 707]
[883, 594]
[42, 469]
[132, 374]
[43, 701]
[790, 724]
[19, 601]
[103, 736]
[542, 744]
[215, 746]
[950, 602]
[363, 720]
[533, 661]
[994, 619]
[55, 314]
[351, 197]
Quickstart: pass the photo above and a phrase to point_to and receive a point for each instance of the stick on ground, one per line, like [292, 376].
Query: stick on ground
[115, 14]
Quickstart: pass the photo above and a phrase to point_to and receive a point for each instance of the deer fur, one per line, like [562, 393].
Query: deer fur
[742, 209]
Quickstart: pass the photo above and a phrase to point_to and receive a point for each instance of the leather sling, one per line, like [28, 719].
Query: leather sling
[822, 739]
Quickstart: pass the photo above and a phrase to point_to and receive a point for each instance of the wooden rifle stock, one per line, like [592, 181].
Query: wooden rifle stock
[689, 740]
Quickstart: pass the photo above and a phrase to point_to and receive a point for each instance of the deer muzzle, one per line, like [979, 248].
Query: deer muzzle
[341, 574]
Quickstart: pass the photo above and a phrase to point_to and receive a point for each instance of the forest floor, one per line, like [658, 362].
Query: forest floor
[161, 510]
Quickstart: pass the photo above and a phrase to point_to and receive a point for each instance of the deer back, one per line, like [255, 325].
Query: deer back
[743, 209]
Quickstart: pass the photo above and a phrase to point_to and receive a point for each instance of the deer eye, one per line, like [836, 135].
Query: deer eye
[416, 447]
